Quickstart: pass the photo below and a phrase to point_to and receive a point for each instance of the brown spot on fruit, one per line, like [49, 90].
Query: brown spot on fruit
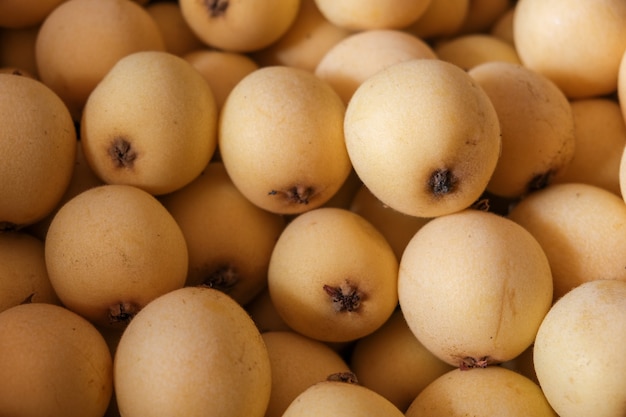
[122, 313]
[346, 297]
[298, 194]
[122, 153]
[540, 181]
[441, 182]
[223, 279]
[217, 8]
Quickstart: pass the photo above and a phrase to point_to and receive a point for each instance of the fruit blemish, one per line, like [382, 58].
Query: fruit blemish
[122, 153]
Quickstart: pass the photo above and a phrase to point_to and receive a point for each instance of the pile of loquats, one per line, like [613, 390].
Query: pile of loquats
[300, 208]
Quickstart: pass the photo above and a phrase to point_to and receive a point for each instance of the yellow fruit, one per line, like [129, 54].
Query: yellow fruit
[442, 18]
[360, 55]
[239, 26]
[38, 141]
[337, 397]
[581, 228]
[222, 70]
[191, 352]
[306, 41]
[503, 27]
[558, 38]
[297, 362]
[281, 139]
[600, 134]
[474, 287]
[81, 40]
[158, 147]
[468, 51]
[25, 13]
[112, 249]
[423, 137]
[178, 37]
[357, 15]
[53, 362]
[262, 311]
[397, 228]
[482, 14]
[494, 391]
[392, 362]
[332, 276]
[23, 273]
[538, 139]
[579, 351]
[229, 239]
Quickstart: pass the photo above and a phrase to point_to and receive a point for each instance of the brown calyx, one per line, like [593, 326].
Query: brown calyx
[223, 279]
[298, 194]
[122, 153]
[541, 181]
[347, 377]
[216, 8]
[470, 363]
[123, 312]
[346, 297]
[441, 182]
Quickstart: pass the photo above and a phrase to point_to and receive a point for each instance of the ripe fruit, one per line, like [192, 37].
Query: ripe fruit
[581, 228]
[53, 362]
[159, 147]
[332, 276]
[355, 58]
[23, 274]
[337, 397]
[239, 26]
[297, 362]
[423, 137]
[585, 68]
[470, 50]
[281, 139]
[191, 352]
[178, 37]
[81, 40]
[112, 249]
[38, 141]
[392, 362]
[441, 19]
[473, 287]
[357, 15]
[579, 351]
[229, 239]
[538, 140]
[493, 391]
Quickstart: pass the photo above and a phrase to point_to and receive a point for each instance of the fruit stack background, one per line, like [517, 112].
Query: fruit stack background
[297, 208]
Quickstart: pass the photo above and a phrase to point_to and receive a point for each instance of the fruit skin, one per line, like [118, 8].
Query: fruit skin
[38, 140]
[159, 147]
[191, 352]
[423, 137]
[581, 228]
[331, 398]
[579, 351]
[112, 249]
[333, 276]
[281, 139]
[493, 391]
[53, 363]
[474, 287]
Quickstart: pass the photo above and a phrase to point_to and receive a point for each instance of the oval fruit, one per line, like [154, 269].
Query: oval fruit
[189, 351]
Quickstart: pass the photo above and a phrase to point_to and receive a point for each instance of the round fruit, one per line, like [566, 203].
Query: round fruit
[474, 287]
[582, 230]
[493, 391]
[237, 26]
[580, 348]
[423, 137]
[38, 141]
[468, 51]
[191, 352]
[336, 397]
[112, 249]
[332, 276]
[159, 147]
[53, 362]
[441, 19]
[281, 139]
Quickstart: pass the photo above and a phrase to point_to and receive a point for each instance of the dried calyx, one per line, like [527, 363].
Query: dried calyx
[345, 297]
[347, 377]
[298, 194]
[441, 182]
[469, 363]
[223, 279]
[122, 153]
[123, 312]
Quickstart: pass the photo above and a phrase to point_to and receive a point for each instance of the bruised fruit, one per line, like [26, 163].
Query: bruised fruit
[281, 139]
[53, 363]
[474, 287]
[580, 348]
[159, 147]
[494, 391]
[332, 275]
[191, 352]
[112, 249]
[229, 239]
[423, 137]
[38, 141]
[237, 26]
